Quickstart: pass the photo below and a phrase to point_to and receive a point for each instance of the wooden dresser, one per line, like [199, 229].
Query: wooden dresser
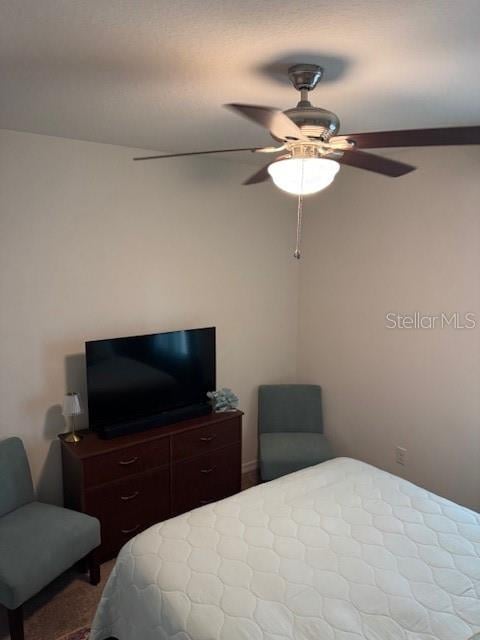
[133, 481]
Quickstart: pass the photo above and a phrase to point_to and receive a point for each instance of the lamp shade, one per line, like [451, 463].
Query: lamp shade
[302, 176]
[71, 404]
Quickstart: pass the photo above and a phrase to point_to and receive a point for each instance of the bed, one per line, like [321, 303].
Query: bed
[338, 551]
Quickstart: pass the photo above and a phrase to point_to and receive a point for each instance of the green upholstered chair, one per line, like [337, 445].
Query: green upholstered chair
[290, 428]
[38, 541]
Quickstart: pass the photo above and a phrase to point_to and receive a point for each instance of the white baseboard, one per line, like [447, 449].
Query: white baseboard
[249, 466]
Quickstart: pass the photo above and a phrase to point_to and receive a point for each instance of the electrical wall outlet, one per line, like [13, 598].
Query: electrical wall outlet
[401, 455]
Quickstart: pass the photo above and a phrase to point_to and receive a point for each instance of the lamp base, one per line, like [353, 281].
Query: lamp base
[72, 437]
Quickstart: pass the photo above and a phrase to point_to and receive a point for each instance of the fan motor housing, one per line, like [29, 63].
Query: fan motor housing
[316, 123]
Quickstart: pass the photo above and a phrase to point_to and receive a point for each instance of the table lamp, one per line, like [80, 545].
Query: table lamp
[72, 408]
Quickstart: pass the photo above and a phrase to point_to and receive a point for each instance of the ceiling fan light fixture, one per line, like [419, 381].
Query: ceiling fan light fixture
[303, 176]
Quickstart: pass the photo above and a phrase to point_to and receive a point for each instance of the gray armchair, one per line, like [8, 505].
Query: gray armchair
[290, 428]
[38, 541]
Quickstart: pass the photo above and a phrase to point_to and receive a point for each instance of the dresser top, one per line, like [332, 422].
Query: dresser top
[91, 444]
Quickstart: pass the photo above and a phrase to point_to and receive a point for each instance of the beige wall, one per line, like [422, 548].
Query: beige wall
[373, 245]
[93, 245]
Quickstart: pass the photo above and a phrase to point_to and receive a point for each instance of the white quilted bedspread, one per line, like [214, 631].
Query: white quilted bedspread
[339, 551]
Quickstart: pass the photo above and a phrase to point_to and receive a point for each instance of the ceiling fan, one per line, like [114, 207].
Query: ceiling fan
[311, 151]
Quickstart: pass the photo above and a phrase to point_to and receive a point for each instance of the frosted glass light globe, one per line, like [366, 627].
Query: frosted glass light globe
[302, 176]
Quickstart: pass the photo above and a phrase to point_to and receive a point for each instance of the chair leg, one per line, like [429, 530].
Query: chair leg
[94, 567]
[15, 623]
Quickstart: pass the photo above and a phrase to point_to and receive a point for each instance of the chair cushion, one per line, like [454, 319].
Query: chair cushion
[282, 453]
[38, 542]
[16, 487]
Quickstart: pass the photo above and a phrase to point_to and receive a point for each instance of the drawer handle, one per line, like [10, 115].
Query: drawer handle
[130, 497]
[137, 526]
[207, 438]
[207, 470]
[124, 463]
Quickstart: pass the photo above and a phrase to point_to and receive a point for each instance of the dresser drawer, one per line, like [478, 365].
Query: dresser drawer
[115, 533]
[135, 493]
[125, 462]
[204, 439]
[126, 507]
[206, 478]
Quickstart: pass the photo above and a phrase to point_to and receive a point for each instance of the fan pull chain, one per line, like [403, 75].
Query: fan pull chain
[299, 227]
[296, 253]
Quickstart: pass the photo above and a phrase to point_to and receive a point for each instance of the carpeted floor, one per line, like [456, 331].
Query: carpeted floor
[65, 609]
[79, 634]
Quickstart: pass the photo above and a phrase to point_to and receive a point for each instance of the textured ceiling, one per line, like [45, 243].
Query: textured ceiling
[154, 74]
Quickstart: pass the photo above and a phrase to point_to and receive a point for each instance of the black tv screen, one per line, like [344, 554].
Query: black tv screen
[139, 378]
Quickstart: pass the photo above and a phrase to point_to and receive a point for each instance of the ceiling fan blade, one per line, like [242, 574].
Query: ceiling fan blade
[197, 153]
[271, 149]
[272, 119]
[259, 176]
[414, 137]
[377, 164]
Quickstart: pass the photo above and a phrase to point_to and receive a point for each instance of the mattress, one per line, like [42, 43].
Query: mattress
[338, 551]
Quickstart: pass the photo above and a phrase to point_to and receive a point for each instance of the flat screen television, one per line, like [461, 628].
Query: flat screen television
[139, 382]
